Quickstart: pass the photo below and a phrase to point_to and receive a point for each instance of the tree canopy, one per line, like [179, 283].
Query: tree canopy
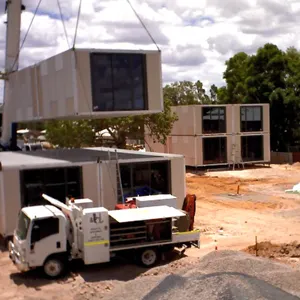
[269, 76]
[186, 93]
[82, 133]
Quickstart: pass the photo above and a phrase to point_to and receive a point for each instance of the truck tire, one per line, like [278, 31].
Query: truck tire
[54, 267]
[148, 257]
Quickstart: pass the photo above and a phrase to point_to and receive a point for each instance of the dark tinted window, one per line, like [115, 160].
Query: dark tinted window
[102, 82]
[251, 118]
[118, 81]
[46, 227]
[252, 148]
[214, 150]
[56, 182]
[145, 179]
[214, 119]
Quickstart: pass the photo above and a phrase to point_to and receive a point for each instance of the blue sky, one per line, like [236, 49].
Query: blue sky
[196, 37]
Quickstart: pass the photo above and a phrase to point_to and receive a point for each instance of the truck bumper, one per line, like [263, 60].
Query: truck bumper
[15, 258]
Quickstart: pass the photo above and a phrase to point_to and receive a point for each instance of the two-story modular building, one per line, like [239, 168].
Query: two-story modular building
[219, 134]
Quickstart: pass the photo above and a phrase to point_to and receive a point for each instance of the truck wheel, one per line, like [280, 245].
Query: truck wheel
[148, 257]
[54, 267]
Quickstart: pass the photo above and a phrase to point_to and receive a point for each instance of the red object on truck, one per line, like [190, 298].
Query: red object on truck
[128, 205]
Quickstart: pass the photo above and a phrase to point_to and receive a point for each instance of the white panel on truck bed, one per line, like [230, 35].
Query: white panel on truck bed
[145, 213]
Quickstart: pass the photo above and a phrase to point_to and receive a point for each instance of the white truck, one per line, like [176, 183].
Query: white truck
[50, 236]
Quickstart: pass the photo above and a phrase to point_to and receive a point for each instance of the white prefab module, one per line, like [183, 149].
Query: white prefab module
[87, 83]
[154, 200]
[84, 173]
[50, 236]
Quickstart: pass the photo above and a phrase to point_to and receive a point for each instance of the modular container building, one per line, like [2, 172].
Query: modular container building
[84, 173]
[87, 83]
[219, 134]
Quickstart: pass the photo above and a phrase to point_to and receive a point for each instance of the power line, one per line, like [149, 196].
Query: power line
[63, 22]
[136, 14]
[77, 22]
[26, 34]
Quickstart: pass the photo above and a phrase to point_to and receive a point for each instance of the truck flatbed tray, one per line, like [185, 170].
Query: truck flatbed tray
[145, 213]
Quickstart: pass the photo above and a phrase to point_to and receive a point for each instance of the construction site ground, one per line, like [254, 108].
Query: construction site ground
[233, 208]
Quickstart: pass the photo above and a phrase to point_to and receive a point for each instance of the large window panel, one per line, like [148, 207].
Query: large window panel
[118, 81]
[141, 175]
[252, 148]
[214, 150]
[145, 179]
[56, 182]
[122, 81]
[213, 120]
[54, 176]
[138, 73]
[251, 118]
[160, 177]
[102, 82]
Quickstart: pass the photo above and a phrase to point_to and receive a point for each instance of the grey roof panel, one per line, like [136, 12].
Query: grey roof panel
[69, 156]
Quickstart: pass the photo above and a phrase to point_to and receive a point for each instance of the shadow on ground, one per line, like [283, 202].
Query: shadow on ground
[120, 269]
[202, 170]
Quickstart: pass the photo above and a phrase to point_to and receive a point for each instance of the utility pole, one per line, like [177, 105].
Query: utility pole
[14, 9]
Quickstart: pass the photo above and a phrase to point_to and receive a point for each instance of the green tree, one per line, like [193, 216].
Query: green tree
[235, 76]
[214, 93]
[269, 76]
[70, 134]
[82, 132]
[186, 93]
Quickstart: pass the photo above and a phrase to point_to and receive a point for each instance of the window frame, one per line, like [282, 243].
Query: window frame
[95, 94]
[244, 107]
[246, 138]
[54, 227]
[219, 119]
[149, 164]
[216, 162]
[43, 183]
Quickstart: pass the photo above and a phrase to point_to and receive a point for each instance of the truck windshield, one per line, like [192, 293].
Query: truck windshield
[23, 225]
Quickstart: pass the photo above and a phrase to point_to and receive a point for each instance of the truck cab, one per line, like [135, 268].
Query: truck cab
[39, 239]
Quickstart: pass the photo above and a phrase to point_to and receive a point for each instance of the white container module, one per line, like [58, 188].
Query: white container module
[156, 200]
[88, 83]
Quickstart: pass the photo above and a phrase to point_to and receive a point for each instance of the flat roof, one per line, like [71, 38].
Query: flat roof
[65, 157]
[145, 213]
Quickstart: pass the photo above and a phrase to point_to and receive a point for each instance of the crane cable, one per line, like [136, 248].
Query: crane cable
[143, 24]
[24, 39]
[63, 22]
[77, 22]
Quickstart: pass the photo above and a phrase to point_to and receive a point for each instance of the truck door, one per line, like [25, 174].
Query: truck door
[47, 237]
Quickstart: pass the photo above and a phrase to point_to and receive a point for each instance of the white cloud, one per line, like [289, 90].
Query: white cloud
[196, 37]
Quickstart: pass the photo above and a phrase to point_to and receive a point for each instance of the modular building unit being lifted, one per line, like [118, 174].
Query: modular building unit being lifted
[84, 173]
[87, 83]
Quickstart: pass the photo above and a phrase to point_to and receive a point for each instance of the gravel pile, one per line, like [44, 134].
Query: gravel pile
[224, 275]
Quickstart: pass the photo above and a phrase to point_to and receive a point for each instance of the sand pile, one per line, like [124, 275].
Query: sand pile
[223, 275]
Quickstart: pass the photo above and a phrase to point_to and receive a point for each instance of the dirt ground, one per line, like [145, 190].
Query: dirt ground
[233, 207]
[262, 208]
